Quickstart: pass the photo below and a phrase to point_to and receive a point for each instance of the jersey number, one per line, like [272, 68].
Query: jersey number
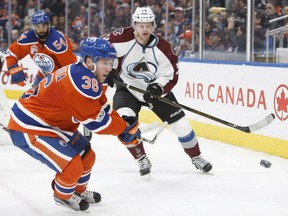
[90, 83]
[59, 44]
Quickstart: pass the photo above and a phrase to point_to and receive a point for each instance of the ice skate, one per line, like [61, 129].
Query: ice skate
[75, 202]
[201, 164]
[144, 165]
[91, 196]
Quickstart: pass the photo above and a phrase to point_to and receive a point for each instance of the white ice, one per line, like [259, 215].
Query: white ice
[237, 185]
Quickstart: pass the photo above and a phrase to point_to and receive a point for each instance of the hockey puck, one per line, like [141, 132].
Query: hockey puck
[265, 163]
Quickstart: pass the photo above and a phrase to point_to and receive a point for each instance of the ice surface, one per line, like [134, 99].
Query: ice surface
[237, 185]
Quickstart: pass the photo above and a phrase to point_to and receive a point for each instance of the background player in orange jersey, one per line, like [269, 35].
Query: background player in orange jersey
[49, 49]
[44, 122]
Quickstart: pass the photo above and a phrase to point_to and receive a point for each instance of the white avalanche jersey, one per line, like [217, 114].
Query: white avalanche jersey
[139, 65]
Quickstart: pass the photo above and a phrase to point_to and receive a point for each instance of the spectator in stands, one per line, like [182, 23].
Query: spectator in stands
[54, 20]
[285, 12]
[15, 21]
[158, 15]
[239, 9]
[93, 11]
[17, 8]
[3, 44]
[271, 13]
[237, 36]
[208, 28]
[30, 8]
[14, 34]
[260, 4]
[56, 7]
[109, 17]
[180, 21]
[259, 32]
[216, 41]
[285, 34]
[127, 13]
[95, 27]
[80, 20]
[61, 23]
[186, 44]
[120, 19]
[172, 38]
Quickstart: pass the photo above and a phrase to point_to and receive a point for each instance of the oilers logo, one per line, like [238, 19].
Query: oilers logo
[62, 143]
[142, 70]
[44, 62]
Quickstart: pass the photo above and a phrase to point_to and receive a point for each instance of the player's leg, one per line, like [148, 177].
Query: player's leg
[62, 158]
[127, 105]
[88, 158]
[181, 126]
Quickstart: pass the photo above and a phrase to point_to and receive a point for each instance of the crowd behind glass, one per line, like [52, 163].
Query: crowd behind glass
[219, 34]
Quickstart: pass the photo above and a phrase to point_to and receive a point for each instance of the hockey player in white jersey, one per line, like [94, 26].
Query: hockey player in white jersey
[148, 62]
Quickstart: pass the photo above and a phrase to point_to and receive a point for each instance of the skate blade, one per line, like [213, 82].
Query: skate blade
[146, 177]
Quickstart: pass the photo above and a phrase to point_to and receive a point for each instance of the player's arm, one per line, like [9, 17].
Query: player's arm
[167, 73]
[106, 121]
[16, 52]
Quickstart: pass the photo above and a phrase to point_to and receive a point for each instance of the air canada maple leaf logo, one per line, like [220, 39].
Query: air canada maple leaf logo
[281, 102]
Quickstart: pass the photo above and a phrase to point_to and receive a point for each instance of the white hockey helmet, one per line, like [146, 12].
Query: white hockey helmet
[143, 14]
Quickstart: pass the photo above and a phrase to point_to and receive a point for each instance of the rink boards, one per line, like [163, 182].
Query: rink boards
[239, 93]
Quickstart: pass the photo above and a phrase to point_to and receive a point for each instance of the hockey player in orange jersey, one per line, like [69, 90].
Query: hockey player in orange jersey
[49, 49]
[44, 122]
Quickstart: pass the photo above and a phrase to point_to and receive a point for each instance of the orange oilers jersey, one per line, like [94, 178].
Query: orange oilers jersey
[54, 54]
[65, 98]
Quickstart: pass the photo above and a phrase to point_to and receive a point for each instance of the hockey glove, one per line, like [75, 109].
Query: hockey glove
[17, 74]
[110, 78]
[131, 134]
[153, 90]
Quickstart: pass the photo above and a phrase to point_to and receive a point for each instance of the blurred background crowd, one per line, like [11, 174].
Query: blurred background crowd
[213, 29]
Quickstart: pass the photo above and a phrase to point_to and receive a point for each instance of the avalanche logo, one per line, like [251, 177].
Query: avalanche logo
[142, 70]
[44, 62]
[281, 102]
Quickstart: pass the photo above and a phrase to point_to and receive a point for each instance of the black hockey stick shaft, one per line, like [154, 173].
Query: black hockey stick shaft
[4, 127]
[248, 129]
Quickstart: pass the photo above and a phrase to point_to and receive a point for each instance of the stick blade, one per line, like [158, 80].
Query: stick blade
[262, 123]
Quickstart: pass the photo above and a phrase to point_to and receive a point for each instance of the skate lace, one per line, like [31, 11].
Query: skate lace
[74, 199]
[199, 162]
[88, 195]
[144, 163]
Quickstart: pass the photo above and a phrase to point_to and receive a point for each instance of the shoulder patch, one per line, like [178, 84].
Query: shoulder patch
[56, 42]
[84, 81]
[28, 37]
[121, 35]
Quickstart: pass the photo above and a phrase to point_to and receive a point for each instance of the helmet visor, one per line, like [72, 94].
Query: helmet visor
[106, 62]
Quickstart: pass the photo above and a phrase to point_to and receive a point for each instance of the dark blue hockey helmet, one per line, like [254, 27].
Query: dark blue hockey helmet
[97, 48]
[40, 17]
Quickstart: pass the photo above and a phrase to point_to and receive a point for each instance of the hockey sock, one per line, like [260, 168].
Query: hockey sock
[137, 150]
[194, 151]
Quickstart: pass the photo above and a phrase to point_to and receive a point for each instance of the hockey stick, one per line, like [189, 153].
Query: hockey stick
[247, 129]
[88, 134]
[149, 127]
[160, 129]
[3, 127]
